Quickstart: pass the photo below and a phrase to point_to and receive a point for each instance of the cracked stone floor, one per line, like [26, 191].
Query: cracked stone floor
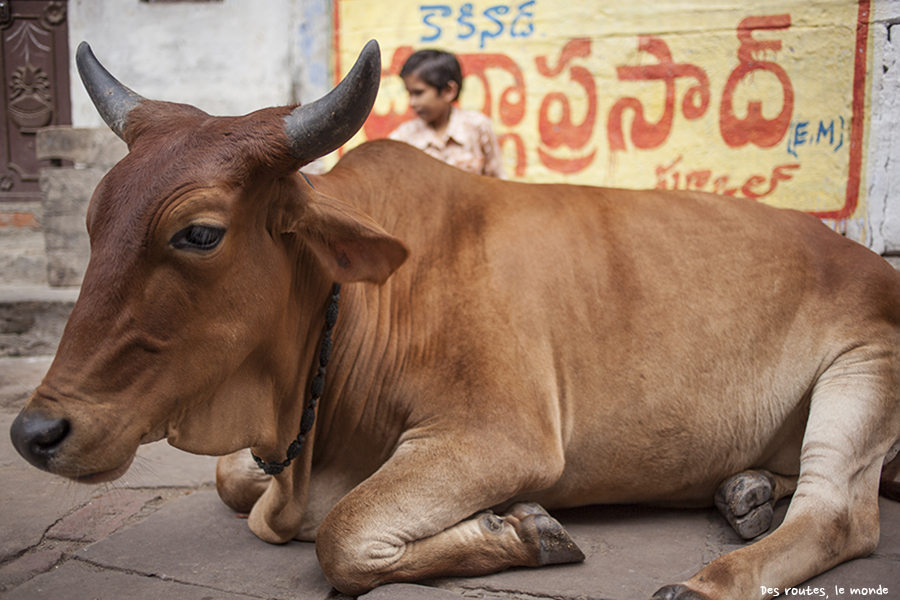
[161, 532]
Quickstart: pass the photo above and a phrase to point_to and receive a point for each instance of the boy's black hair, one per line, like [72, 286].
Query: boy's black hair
[435, 67]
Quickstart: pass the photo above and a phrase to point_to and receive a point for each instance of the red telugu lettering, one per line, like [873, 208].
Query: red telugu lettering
[755, 128]
[512, 100]
[651, 135]
[564, 132]
[669, 177]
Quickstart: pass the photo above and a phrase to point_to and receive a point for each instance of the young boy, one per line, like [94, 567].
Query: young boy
[462, 138]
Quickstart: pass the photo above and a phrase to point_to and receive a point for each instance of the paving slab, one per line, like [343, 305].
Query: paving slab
[198, 540]
[19, 571]
[102, 515]
[79, 581]
[408, 591]
[630, 552]
[32, 500]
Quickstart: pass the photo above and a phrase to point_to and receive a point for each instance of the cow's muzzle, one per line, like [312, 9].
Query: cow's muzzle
[48, 443]
[38, 437]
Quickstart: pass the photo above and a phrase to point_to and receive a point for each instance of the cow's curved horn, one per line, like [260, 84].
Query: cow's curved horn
[317, 128]
[113, 100]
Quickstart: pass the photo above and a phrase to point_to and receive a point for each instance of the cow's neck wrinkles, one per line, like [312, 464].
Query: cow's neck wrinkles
[370, 337]
[350, 419]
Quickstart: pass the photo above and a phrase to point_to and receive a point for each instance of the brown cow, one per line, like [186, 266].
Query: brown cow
[498, 346]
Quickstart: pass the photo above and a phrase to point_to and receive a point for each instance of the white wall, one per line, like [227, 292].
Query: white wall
[228, 57]
[883, 181]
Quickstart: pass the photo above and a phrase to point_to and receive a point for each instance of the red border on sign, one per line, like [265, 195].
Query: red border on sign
[857, 121]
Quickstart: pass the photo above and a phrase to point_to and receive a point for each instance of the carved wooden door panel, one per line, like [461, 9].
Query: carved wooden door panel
[34, 64]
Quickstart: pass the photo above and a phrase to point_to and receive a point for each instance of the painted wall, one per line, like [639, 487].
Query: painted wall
[765, 100]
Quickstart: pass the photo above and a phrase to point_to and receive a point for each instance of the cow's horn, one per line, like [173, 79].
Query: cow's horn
[113, 100]
[317, 128]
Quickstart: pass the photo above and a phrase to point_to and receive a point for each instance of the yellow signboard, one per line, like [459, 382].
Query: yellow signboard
[763, 100]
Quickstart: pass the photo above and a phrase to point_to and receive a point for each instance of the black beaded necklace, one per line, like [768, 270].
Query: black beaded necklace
[315, 391]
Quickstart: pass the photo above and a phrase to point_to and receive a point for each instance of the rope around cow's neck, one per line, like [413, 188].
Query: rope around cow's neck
[315, 391]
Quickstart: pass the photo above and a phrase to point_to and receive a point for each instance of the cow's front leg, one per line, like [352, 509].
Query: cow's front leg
[413, 519]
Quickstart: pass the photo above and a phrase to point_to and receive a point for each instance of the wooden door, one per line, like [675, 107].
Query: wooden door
[34, 64]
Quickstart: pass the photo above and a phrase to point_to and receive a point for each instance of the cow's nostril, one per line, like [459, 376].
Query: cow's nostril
[37, 437]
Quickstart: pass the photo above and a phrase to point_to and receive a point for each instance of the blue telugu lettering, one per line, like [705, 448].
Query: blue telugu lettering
[431, 11]
[521, 24]
[491, 14]
[465, 13]
[524, 12]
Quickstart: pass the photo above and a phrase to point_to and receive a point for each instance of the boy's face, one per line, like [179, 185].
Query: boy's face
[429, 103]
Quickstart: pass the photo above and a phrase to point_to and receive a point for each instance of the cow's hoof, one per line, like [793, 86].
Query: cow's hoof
[755, 523]
[678, 592]
[520, 510]
[745, 500]
[554, 542]
[557, 547]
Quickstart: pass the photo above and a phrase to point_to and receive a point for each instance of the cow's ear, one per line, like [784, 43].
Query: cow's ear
[349, 244]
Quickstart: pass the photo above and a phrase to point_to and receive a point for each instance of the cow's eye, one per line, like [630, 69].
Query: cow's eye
[197, 237]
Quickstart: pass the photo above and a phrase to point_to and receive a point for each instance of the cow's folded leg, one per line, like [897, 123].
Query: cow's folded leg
[413, 520]
[747, 500]
[239, 481]
[483, 544]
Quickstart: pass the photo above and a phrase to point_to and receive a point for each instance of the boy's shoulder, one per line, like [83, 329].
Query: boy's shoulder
[406, 129]
[472, 116]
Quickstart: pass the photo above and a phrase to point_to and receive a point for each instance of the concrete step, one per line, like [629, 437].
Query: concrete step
[32, 318]
[23, 260]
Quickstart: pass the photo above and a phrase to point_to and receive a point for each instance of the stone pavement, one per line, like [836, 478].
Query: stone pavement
[161, 532]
